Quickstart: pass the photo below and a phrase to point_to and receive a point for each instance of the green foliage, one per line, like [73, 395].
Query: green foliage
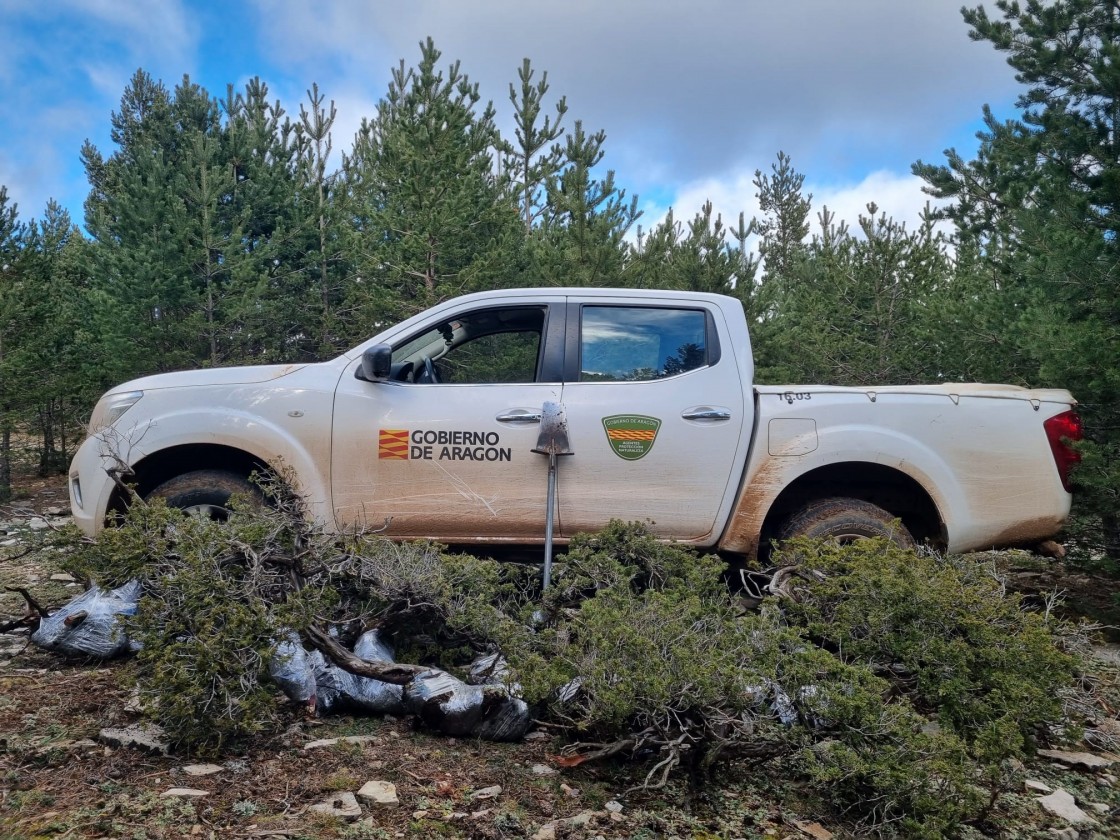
[696, 257]
[533, 160]
[945, 633]
[880, 306]
[208, 620]
[431, 218]
[202, 672]
[840, 689]
[1039, 206]
[886, 771]
[580, 240]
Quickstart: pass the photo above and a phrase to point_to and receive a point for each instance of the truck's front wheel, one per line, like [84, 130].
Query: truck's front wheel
[845, 520]
[205, 492]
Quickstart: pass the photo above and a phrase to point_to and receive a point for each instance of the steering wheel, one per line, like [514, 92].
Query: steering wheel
[430, 371]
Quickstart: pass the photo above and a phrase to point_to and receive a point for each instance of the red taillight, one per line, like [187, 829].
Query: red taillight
[1062, 430]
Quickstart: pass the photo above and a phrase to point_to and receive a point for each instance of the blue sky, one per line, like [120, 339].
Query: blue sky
[694, 96]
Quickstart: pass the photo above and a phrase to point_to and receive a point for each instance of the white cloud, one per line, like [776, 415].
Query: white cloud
[159, 30]
[686, 90]
[898, 195]
[693, 97]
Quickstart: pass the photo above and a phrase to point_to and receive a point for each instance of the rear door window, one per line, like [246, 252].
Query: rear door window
[634, 344]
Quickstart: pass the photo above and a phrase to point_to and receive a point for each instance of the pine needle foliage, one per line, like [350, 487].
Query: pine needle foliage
[897, 686]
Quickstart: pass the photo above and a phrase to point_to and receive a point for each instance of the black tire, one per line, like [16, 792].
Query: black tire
[845, 520]
[205, 492]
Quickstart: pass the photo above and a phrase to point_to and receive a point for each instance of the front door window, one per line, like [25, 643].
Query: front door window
[443, 449]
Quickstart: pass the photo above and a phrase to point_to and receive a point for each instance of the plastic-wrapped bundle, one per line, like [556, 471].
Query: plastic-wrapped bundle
[492, 669]
[444, 702]
[371, 647]
[290, 668]
[808, 707]
[337, 690]
[783, 706]
[368, 694]
[487, 669]
[814, 707]
[331, 684]
[506, 720]
[452, 707]
[90, 624]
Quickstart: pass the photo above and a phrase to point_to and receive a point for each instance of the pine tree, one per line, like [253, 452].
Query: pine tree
[699, 260]
[11, 318]
[537, 157]
[581, 239]
[1039, 204]
[857, 309]
[50, 363]
[281, 289]
[432, 217]
[314, 130]
[146, 300]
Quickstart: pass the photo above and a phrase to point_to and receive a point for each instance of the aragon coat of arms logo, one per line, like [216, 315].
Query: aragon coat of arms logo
[631, 436]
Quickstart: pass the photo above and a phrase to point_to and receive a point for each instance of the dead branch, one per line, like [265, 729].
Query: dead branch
[396, 673]
[31, 619]
[574, 754]
[32, 604]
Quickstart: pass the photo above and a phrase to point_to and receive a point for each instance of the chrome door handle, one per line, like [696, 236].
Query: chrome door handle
[519, 415]
[706, 413]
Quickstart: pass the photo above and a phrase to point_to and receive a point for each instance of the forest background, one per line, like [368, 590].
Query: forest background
[218, 232]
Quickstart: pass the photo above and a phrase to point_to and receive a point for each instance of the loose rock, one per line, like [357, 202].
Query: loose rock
[186, 793]
[342, 805]
[814, 830]
[379, 793]
[487, 792]
[141, 735]
[1061, 804]
[1078, 759]
[348, 739]
[202, 769]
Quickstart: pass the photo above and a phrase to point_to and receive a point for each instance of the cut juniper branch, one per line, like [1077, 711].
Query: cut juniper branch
[397, 673]
[598, 750]
[32, 604]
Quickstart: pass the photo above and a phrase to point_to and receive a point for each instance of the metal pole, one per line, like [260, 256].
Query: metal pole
[548, 524]
[552, 441]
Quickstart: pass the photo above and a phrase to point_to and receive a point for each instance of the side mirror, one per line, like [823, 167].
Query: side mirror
[377, 363]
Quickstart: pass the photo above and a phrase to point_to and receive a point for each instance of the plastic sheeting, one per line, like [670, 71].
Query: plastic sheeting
[290, 668]
[310, 676]
[453, 707]
[90, 625]
[807, 709]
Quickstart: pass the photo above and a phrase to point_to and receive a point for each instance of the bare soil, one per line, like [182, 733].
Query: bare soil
[58, 779]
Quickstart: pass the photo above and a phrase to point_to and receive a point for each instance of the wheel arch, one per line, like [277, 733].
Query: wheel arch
[159, 466]
[891, 489]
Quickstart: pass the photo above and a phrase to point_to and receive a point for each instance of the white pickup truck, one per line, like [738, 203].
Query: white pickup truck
[430, 427]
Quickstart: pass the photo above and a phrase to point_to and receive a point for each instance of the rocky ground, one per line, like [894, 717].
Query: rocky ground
[70, 766]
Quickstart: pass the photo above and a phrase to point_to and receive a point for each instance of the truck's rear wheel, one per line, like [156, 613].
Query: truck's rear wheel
[205, 492]
[845, 520]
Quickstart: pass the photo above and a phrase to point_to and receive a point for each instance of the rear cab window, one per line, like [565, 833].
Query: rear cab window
[642, 343]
